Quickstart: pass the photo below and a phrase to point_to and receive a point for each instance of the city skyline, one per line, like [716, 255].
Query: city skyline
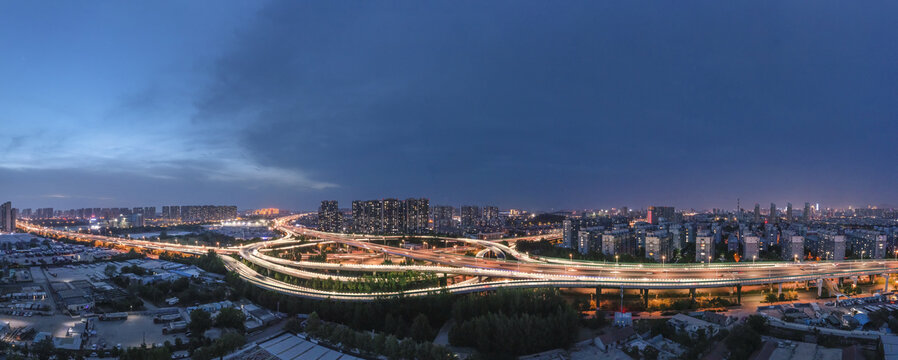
[591, 105]
[783, 208]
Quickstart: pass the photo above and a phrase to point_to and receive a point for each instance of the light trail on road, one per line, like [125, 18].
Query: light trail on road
[490, 274]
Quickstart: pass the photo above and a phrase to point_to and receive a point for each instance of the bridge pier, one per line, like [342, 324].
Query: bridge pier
[739, 294]
[819, 288]
[854, 280]
[692, 294]
[841, 280]
[598, 292]
[780, 291]
[645, 298]
[887, 283]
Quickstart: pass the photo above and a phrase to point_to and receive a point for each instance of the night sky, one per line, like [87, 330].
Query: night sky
[530, 104]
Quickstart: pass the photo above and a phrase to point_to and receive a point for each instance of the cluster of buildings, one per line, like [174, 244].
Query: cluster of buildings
[387, 216]
[409, 216]
[390, 216]
[124, 217]
[787, 235]
[28, 250]
[256, 317]
[625, 342]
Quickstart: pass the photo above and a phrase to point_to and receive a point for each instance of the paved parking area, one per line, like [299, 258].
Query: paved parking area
[78, 272]
[132, 332]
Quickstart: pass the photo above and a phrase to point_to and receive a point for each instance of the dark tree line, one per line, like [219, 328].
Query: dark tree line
[380, 343]
[512, 323]
[391, 315]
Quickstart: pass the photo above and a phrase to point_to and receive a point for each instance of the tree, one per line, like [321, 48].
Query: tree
[220, 347]
[293, 325]
[154, 353]
[313, 322]
[110, 270]
[200, 321]
[758, 323]
[43, 349]
[421, 330]
[742, 341]
[230, 318]
[180, 285]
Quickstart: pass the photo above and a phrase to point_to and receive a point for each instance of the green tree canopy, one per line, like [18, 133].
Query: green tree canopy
[200, 321]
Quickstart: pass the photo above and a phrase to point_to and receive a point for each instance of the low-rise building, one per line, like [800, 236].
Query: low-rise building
[692, 325]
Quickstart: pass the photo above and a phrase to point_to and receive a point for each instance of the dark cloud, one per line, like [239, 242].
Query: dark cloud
[521, 104]
[583, 104]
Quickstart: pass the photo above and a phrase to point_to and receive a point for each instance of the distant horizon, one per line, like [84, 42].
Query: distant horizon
[347, 205]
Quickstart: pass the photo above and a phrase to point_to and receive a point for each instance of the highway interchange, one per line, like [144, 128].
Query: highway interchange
[481, 274]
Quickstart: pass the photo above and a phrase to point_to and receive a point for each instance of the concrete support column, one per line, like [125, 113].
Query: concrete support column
[887, 283]
[780, 290]
[739, 294]
[840, 281]
[854, 280]
[598, 292]
[645, 298]
[692, 294]
[819, 288]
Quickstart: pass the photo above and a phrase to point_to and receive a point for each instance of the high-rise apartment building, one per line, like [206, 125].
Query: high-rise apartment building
[772, 216]
[201, 213]
[7, 218]
[470, 217]
[657, 213]
[367, 216]
[750, 249]
[491, 216]
[442, 219]
[617, 242]
[833, 246]
[417, 215]
[793, 247]
[330, 219]
[588, 241]
[806, 215]
[704, 247]
[789, 212]
[657, 246]
[569, 230]
[393, 216]
[171, 213]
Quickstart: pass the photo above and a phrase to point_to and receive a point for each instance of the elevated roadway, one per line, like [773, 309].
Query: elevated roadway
[525, 273]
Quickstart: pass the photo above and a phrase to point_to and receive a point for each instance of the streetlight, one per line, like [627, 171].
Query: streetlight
[615, 260]
[753, 257]
[662, 260]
